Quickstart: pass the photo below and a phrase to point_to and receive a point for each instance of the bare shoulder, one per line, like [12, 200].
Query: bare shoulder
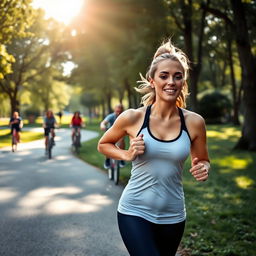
[195, 124]
[131, 116]
[131, 120]
[193, 118]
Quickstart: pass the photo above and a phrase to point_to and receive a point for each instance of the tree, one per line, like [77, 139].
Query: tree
[241, 32]
[191, 22]
[35, 54]
[113, 41]
[90, 101]
[15, 18]
[248, 64]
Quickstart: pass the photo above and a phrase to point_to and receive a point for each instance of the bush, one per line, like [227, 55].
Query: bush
[215, 107]
[31, 114]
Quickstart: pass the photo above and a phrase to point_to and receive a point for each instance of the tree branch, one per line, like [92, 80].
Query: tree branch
[218, 14]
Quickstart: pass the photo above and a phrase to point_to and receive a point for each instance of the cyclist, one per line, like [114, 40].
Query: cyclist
[106, 124]
[76, 123]
[16, 124]
[49, 125]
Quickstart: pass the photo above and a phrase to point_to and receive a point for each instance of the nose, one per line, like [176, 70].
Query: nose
[170, 81]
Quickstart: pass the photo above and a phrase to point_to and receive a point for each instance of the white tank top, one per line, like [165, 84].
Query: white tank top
[155, 191]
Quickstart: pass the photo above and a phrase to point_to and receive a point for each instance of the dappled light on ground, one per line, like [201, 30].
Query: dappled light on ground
[70, 233]
[209, 195]
[55, 201]
[7, 194]
[63, 157]
[224, 133]
[23, 153]
[244, 182]
[90, 203]
[232, 163]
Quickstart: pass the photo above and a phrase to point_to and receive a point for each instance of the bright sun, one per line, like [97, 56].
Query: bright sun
[61, 10]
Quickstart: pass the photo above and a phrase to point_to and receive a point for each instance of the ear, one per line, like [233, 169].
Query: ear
[151, 81]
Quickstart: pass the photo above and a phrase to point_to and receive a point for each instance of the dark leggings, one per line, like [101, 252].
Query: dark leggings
[144, 238]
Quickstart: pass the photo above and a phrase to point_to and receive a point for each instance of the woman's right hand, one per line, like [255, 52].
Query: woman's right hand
[137, 147]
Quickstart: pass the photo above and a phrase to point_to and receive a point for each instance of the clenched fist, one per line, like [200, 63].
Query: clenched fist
[137, 147]
[199, 170]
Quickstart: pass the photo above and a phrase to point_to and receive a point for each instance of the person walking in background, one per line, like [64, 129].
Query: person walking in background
[151, 211]
[49, 124]
[106, 124]
[59, 114]
[76, 123]
[16, 124]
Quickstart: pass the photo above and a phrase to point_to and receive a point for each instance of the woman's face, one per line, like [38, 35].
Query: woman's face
[15, 114]
[49, 114]
[168, 80]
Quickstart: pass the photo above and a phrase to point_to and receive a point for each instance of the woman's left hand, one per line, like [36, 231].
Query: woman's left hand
[199, 170]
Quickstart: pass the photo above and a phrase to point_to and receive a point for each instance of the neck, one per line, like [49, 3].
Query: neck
[164, 110]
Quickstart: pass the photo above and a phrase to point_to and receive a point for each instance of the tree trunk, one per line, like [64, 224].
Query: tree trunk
[196, 64]
[248, 63]
[103, 113]
[15, 105]
[108, 98]
[232, 78]
[129, 94]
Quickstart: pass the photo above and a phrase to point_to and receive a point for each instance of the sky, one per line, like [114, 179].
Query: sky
[61, 10]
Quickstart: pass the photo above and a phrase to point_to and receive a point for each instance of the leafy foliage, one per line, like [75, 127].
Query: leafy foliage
[15, 18]
[214, 107]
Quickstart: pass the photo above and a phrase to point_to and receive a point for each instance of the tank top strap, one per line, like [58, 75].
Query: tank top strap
[183, 124]
[146, 118]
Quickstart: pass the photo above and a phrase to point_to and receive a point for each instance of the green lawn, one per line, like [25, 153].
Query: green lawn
[26, 136]
[220, 211]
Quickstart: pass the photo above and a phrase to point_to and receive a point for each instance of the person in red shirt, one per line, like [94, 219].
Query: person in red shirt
[76, 123]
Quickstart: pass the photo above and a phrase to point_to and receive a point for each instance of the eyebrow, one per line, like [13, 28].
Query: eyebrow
[176, 73]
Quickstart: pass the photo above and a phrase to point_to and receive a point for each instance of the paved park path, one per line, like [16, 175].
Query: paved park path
[57, 207]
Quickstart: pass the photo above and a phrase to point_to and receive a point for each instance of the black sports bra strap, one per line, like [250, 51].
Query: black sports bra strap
[182, 119]
[146, 119]
[183, 124]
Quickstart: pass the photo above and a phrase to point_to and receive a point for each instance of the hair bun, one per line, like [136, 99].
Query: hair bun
[166, 47]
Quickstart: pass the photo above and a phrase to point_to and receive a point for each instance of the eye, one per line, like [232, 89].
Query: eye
[163, 77]
[178, 77]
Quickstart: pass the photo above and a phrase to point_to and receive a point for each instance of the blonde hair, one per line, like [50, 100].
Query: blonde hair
[165, 51]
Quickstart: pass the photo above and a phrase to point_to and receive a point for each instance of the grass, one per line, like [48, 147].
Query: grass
[26, 136]
[220, 211]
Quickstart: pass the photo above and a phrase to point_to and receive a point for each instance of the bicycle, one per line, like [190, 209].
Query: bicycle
[50, 145]
[114, 170]
[14, 140]
[76, 140]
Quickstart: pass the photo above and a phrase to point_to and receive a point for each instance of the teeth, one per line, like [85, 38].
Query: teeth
[169, 90]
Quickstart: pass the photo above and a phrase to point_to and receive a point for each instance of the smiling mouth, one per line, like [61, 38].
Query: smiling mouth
[170, 91]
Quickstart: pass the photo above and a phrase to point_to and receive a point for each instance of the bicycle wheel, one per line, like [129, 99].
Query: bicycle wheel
[49, 147]
[111, 169]
[76, 145]
[14, 142]
[116, 172]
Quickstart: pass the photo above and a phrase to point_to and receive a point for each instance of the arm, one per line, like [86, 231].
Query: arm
[123, 126]
[21, 123]
[44, 122]
[199, 152]
[83, 124]
[103, 125]
[55, 123]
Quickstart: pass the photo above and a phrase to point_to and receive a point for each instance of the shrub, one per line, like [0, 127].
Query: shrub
[215, 107]
[31, 114]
